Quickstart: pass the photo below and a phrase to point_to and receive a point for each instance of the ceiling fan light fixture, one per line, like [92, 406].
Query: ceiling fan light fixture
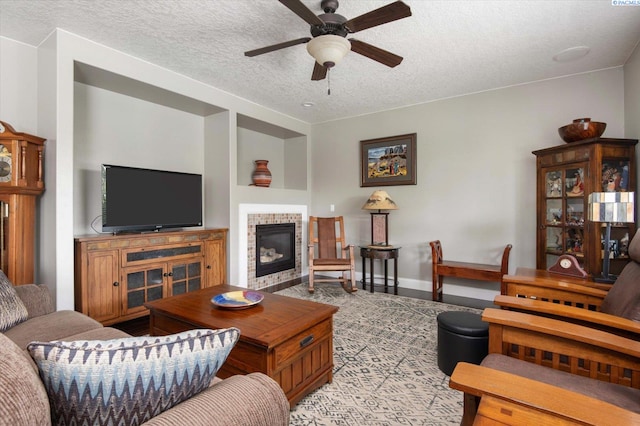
[328, 49]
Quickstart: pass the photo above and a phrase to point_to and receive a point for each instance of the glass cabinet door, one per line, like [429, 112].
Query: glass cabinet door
[615, 177]
[574, 182]
[185, 277]
[574, 227]
[564, 213]
[143, 285]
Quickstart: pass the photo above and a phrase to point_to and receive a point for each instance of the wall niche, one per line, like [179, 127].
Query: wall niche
[286, 151]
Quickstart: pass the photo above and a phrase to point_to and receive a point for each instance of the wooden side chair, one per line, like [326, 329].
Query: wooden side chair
[473, 271]
[328, 251]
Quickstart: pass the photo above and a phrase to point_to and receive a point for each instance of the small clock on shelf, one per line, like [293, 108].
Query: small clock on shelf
[568, 265]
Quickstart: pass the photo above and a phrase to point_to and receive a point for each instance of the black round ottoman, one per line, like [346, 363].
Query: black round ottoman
[462, 336]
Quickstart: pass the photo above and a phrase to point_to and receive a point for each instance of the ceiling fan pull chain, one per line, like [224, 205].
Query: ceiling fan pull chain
[328, 81]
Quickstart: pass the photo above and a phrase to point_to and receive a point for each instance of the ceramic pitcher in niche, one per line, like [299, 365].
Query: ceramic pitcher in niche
[261, 175]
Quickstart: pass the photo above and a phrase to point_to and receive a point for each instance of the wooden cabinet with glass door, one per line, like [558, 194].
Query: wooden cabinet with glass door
[566, 175]
[115, 275]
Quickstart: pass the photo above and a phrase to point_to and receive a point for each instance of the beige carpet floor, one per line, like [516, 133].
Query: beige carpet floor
[385, 363]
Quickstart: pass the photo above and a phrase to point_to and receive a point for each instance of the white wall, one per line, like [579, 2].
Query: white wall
[476, 174]
[632, 101]
[217, 162]
[295, 154]
[46, 250]
[18, 76]
[632, 95]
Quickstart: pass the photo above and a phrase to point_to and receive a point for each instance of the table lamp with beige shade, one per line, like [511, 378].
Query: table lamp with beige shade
[379, 201]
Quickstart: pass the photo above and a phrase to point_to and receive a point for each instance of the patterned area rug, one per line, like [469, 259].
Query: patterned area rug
[385, 363]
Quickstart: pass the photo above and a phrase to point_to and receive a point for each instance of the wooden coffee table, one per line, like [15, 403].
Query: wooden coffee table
[290, 340]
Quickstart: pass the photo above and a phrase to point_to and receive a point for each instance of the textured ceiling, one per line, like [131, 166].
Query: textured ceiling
[450, 48]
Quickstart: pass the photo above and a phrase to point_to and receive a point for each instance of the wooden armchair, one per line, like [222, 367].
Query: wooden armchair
[508, 399]
[616, 310]
[328, 251]
[542, 368]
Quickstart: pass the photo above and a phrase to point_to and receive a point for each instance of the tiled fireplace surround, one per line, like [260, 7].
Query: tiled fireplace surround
[267, 214]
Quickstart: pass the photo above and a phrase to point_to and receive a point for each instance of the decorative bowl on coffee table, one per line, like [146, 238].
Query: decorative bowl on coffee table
[237, 299]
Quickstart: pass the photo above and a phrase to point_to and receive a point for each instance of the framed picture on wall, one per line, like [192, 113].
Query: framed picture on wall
[388, 161]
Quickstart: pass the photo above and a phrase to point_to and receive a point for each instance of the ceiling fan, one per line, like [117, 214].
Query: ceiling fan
[328, 43]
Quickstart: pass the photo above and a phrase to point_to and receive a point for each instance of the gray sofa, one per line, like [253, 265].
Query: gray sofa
[254, 399]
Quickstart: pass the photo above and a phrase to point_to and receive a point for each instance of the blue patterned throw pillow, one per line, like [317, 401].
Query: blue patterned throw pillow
[128, 381]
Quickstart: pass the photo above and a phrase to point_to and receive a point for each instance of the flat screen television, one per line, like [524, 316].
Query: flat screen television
[136, 199]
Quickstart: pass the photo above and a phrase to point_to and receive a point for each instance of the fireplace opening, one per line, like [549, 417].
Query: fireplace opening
[275, 248]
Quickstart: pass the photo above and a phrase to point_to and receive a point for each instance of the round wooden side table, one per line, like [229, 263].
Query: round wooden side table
[383, 253]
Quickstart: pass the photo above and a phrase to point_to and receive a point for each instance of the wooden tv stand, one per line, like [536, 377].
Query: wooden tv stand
[115, 275]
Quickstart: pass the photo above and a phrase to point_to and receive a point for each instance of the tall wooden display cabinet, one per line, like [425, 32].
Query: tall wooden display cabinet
[21, 182]
[566, 175]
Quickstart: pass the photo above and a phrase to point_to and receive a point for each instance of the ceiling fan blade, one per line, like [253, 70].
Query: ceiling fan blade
[278, 46]
[382, 15]
[297, 7]
[380, 55]
[319, 71]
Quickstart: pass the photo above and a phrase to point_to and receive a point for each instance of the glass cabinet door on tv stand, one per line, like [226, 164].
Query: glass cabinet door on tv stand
[566, 175]
[142, 284]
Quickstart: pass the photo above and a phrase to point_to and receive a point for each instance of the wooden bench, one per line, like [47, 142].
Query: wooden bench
[474, 271]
